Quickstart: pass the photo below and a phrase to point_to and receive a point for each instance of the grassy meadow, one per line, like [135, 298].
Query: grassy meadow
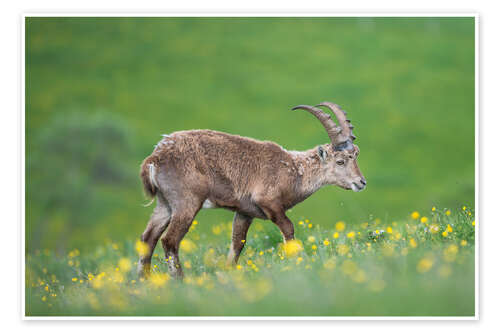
[100, 92]
[420, 266]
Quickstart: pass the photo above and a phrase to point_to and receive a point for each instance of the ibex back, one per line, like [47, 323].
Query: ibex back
[190, 170]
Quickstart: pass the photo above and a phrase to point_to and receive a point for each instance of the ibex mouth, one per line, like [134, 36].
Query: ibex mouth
[357, 188]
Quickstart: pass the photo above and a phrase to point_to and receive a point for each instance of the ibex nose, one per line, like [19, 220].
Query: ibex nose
[363, 181]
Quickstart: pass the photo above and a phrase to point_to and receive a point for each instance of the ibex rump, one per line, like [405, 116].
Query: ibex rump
[190, 170]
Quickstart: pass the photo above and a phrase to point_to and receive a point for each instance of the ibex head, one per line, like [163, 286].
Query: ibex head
[339, 159]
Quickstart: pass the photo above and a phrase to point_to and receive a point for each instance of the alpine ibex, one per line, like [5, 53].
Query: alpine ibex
[190, 170]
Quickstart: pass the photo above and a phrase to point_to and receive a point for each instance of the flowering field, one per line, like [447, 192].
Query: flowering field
[420, 266]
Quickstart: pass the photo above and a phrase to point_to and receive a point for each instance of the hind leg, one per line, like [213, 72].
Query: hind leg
[157, 224]
[180, 221]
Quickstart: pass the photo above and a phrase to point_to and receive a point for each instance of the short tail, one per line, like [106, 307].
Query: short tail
[148, 176]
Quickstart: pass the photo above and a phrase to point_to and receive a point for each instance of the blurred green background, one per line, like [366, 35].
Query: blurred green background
[101, 91]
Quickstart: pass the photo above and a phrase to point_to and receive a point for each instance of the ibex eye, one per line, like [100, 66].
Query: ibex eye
[340, 162]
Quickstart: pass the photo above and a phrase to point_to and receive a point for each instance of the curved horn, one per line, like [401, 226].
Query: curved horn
[326, 120]
[345, 123]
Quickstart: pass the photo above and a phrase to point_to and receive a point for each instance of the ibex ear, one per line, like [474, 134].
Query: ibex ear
[322, 154]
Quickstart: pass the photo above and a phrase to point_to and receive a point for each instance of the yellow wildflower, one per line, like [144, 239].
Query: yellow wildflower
[125, 264]
[389, 230]
[311, 239]
[424, 219]
[351, 234]
[336, 235]
[340, 226]
[292, 247]
[463, 242]
[314, 247]
[449, 228]
[450, 253]
[158, 279]
[413, 243]
[433, 209]
[310, 225]
[448, 212]
[74, 279]
[141, 248]
[434, 228]
[424, 265]
[238, 267]
[326, 242]
[474, 223]
[187, 245]
[415, 215]
[444, 233]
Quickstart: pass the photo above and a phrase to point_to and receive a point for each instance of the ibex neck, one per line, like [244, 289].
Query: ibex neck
[310, 178]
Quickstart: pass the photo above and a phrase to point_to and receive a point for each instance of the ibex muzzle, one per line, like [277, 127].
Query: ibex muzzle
[190, 170]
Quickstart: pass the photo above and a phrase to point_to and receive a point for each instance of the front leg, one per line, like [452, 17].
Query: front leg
[285, 226]
[241, 223]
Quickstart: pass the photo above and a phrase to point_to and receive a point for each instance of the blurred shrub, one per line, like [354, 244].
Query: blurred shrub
[72, 157]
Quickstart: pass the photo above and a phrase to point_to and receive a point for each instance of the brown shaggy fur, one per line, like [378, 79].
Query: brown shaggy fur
[192, 169]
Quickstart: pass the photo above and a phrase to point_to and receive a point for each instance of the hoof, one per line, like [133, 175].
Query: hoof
[143, 270]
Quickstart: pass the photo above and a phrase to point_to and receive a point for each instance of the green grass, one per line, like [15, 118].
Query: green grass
[408, 267]
[101, 91]
[406, 83]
